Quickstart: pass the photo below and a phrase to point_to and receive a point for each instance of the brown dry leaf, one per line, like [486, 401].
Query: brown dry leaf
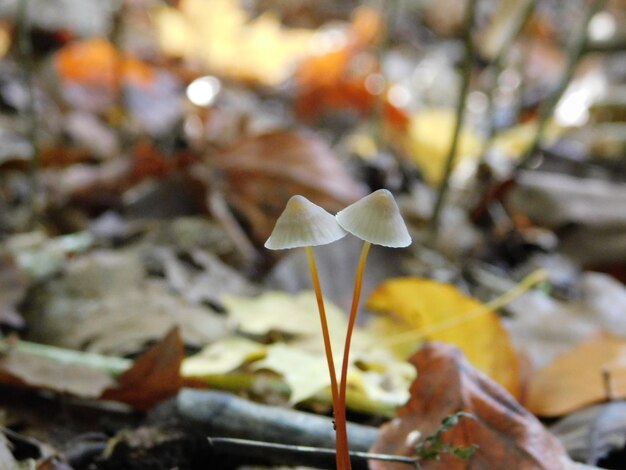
[104, 304]
[587, 374]
[440, 312]
[124, 324]
[154, 376]
[261, 173]
[508, 436]
[17, 368]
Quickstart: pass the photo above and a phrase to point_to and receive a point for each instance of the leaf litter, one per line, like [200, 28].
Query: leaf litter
[132, 214]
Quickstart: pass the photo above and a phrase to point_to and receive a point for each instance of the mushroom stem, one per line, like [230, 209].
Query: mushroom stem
[340, 423]
[358, 282]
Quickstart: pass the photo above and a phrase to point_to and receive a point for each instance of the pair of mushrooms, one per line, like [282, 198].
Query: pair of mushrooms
[376, 220]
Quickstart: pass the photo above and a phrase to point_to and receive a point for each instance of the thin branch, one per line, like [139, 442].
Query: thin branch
[25, 51]
[460, 111]
[521, 20]
[296, 453]
[574, 53]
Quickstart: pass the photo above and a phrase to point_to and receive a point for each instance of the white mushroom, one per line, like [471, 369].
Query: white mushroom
[375, 219]
[305, 225]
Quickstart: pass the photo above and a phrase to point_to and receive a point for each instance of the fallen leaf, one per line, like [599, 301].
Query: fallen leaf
[591, 372]
[293, 314]
[508, 436]
[95, 62]
[7, 461]
[153, 377]
[5, 39]
[440, 312]
[337, 79]
[514, 141]
[536, 319]
[221, 357]
[592, 433]
[378, 374]
[220, 35]
[374, 373]
[429, 137]
[33, 371]
[210, 284]
[124, 323]
[261, 173]
[305, 373]
[104, 304]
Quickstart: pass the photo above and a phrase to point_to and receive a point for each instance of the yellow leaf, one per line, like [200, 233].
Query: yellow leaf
[587, 374]
[390, 333]
[429, 138]
[514, 142]
[436, 311]
[287, 313]
[219, 34]
[221, 357]
[305, 373]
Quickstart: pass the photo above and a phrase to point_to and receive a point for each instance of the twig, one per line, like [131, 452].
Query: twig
[224, 414]
[467, 71]
[298, 453]
[498, 64]
[377, 116]
[25, 48]
[573, 55]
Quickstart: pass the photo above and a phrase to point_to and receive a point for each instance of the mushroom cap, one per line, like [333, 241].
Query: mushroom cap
[376, 219]
[303, 223]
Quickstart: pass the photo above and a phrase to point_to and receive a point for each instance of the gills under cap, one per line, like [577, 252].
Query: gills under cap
[303, 223]
[376, 219]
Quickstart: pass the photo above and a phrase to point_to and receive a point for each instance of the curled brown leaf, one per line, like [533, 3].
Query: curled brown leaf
[508, 436]
[261, 173]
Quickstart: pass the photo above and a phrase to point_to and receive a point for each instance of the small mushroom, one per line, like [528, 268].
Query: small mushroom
[305, 225]
[376, 220]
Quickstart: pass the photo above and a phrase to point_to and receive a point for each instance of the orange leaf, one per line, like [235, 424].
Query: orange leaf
[96, 62]
[154, 376]
[337, 79]
[508, 436]
[587, 374]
